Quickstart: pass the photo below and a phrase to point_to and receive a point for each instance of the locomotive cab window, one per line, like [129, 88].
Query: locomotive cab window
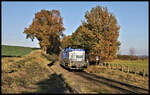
[79, 56]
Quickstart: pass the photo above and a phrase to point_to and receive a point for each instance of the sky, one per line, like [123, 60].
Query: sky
[131, 16]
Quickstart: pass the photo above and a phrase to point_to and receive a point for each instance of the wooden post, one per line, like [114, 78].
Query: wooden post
[122, 68]
[99, 63]
[111, 66]
[119, 66]
[116, 66]
[134, 70]
[127, 69]
[143, 72]
[107, 65]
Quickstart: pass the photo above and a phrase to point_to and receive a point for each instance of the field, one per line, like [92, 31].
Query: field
[132, 64]
[15, 51]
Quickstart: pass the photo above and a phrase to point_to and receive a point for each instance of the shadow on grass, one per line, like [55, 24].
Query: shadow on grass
[51, 63]
[54, 84]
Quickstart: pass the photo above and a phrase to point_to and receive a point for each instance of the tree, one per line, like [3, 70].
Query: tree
[47, 27]
[82, 38]
[65, 41]
[98, 35]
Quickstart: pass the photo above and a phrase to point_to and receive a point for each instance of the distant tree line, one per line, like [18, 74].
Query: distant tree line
[131, 57]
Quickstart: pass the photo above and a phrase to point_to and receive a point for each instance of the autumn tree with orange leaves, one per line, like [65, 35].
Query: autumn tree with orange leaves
[98, 35]
[65, 42]
[47, 27]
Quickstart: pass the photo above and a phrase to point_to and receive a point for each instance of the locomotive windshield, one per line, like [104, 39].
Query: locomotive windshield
[77, 55]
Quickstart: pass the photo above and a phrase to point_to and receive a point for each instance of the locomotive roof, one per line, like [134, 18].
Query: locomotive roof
[71, 49]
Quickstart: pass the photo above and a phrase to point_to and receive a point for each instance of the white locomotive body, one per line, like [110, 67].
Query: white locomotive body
[73, 59]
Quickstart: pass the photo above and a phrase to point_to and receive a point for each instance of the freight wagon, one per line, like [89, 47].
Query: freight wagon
[73, 59]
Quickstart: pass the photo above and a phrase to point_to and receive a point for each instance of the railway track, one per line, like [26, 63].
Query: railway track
[123, 87]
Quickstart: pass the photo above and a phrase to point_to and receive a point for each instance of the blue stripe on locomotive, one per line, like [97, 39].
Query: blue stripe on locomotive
[66, 50]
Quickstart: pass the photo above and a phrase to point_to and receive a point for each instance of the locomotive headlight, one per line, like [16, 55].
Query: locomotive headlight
[70, 64]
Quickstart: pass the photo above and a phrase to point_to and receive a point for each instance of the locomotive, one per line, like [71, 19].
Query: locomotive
[73, 59]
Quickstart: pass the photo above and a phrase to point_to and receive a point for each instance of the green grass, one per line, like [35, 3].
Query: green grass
[138, 64]
[16, 50]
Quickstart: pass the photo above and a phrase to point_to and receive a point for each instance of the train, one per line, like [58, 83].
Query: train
[73, 59]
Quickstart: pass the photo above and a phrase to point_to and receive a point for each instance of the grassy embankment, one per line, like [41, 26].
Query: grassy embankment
[29, 74]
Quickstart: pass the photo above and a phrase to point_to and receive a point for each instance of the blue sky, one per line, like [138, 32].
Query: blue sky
[131, 16]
